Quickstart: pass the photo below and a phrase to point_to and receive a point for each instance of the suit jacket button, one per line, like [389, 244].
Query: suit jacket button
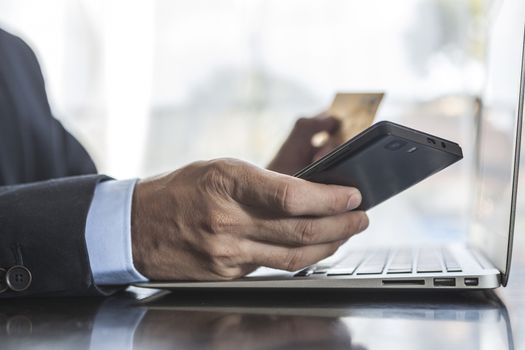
[18, 278]
[3, 283]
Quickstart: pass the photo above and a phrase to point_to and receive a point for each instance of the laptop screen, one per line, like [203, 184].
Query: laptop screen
[499, 132]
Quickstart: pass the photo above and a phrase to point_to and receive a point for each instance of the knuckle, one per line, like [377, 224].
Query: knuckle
[219, 173]
[227, 176]
[284, 197]
[307, 231]
[222, 258]
[217, 221]
[295, 260]
[220, 249]
[334, 204]
[215, 170]
[211, 178]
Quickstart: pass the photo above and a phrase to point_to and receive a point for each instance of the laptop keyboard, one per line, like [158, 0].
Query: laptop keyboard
[389, 261]
[402, 261]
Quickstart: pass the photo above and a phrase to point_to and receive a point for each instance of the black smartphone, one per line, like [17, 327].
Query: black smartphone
[382, 161]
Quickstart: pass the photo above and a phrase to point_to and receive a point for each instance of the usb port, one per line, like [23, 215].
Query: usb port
[471, 281]
[444, 282]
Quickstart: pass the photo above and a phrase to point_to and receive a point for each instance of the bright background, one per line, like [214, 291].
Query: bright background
[152, 85]
[149, 86]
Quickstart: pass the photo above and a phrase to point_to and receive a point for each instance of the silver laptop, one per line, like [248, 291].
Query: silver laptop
[483, 261]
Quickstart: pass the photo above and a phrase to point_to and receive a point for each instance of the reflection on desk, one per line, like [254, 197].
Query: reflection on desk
[225, 319]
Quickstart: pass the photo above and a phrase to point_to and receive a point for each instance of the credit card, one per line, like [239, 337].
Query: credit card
[356, 111]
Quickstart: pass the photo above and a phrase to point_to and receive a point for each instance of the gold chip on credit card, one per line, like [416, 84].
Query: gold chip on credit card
[356, 112]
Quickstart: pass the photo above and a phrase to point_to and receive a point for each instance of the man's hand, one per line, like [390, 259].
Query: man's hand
[220, 220]
[298, 151]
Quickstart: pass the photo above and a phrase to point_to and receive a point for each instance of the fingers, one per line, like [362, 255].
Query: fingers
[291, 259]
[311, 126]
[309, 230]
[292, 196]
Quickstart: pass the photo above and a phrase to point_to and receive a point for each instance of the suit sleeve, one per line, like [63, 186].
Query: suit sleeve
[45, 192]
[41, 148]
[42, 228]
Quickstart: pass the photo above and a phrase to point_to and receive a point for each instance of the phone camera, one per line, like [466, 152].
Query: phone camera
[395, 145]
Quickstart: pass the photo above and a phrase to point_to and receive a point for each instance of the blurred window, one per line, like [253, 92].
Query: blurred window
[149, 86]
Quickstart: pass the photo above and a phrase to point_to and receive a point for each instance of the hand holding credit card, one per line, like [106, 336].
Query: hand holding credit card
[356, 112]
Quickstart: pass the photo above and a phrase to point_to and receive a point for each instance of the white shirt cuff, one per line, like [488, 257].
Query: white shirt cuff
[108, 234]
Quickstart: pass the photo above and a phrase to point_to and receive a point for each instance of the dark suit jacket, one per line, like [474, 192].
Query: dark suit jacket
[45, 186]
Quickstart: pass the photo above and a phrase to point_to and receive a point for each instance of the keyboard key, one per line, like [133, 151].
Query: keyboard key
[349, 264]
[429, 261]
[340, 272]
[401, 263]
[453, 268]
[451, 264]
[374, 264]
[429, 268]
